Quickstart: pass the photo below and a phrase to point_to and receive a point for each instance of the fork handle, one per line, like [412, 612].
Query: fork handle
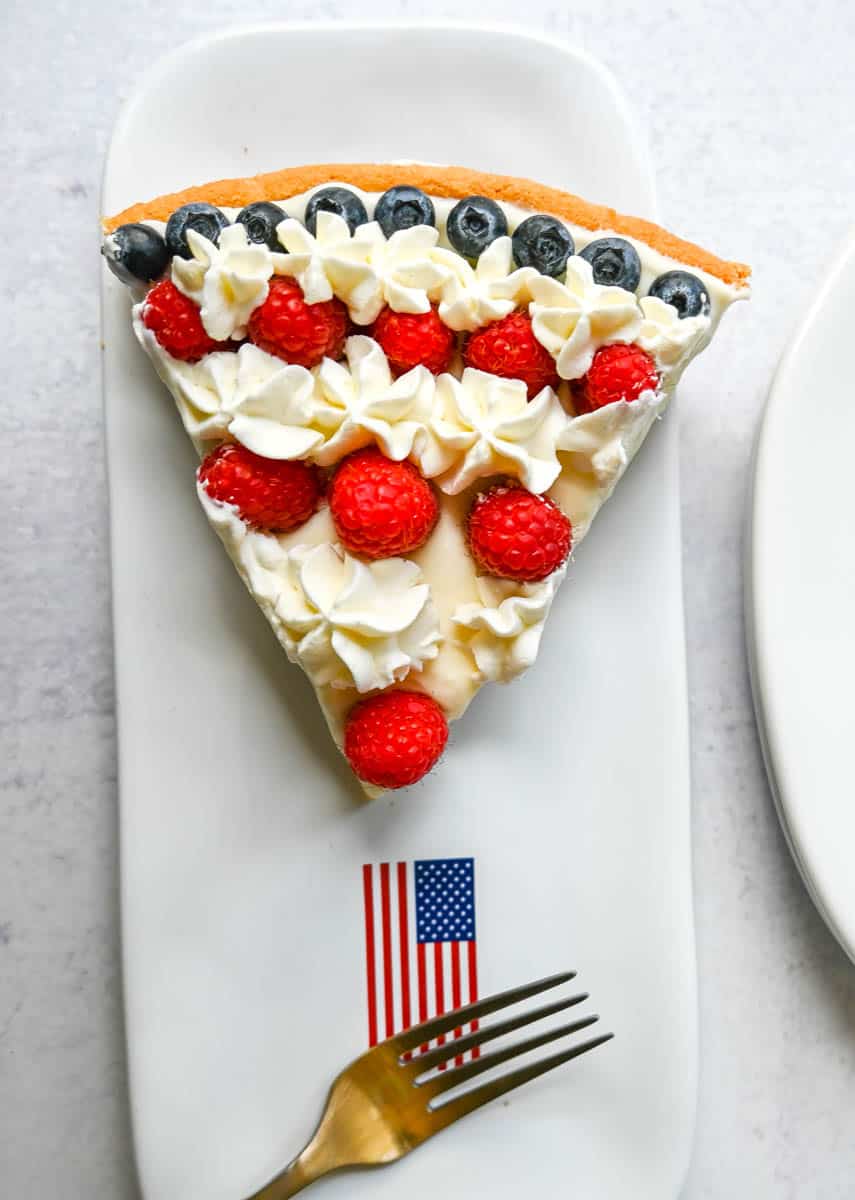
[291, 1181]
[303, 1170]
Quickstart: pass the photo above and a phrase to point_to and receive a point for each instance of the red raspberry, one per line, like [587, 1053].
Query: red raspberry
[394, 738]
[174, 320]
[268, 494]
[510, 349]
[414, 339]
[301, 333]
[517, 535]
[618, 372]
[381, 508]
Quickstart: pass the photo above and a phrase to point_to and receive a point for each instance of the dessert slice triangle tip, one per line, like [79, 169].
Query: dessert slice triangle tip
[411, 389]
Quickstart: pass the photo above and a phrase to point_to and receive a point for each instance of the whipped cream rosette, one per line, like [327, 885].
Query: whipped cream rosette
[227, 280]
[504, 627]
[333, 262]
[574, 318]
[485, 425]
[472, 297]
[201, 390]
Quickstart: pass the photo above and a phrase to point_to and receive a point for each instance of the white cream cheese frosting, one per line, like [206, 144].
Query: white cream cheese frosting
[485, 425]
[287, 412]
[202, 391]
[332, 261]
[417, 267]
[573, 319]
[347, 623]
[493, 288]
[503, 629]
[429, 622]
[228, 280]
[672, 340]
[374, 406]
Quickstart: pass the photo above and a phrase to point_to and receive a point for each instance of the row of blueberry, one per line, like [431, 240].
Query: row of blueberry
[140, 253]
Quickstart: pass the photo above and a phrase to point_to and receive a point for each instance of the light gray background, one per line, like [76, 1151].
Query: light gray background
[750, 108]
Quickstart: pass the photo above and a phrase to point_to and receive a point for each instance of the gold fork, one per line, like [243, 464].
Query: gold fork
[387, 1101]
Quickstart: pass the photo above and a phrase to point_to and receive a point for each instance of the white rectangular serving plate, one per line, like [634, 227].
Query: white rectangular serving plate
[243, 834]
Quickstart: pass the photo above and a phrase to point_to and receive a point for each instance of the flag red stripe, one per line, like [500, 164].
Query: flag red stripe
[473, 986]
[368, 900]
[423, 1006]
[388, 992]
[404, 939]
[439, 990]
[456, 1000]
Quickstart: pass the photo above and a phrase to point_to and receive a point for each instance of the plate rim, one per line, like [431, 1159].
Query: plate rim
[773, 758]
[165, 63]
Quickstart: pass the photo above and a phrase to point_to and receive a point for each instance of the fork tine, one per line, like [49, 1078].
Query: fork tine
[452, 1110]
[438, 1084]
[418, 1035]
[431, 1058]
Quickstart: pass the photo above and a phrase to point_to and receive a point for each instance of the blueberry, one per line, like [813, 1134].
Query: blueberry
[260, 221]
[543, 243]
[202, 218]
[686, 292]
[473, 224]
[615, 262]
[402, 208]
[339, 200]
[136, 253]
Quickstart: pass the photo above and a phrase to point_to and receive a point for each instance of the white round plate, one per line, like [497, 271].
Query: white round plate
[800, 597]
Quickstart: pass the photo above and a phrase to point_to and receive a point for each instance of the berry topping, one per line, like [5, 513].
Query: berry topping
[175, 321]
[516, 534]
[414, 339]
[618, 372]
[473, 224]
[686, 292]
[381, 508]
[200, 217]
[301, 333]
[402, 208]
[510, 349]
[615, 262]
[543, 243]
[341, 201]
[260, 221]
[136, 253]
[268, 494]
[394, 738]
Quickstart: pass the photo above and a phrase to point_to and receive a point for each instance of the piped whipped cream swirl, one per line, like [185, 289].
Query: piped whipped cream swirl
[282, 411]
[573, 319]
[332, 261]
[486, 425]
[672, 340]
[228, 280]
[504, 629]
[475, 296]
[347, 623]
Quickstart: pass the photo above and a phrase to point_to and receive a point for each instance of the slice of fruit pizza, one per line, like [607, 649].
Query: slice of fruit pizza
[411, 388]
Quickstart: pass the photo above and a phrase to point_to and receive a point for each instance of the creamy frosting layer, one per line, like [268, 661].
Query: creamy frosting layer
[504, 627]
[418, 266]
[347, 623]
[429, 622]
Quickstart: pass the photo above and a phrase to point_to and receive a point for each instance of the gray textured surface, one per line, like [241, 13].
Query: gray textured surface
[749, 106]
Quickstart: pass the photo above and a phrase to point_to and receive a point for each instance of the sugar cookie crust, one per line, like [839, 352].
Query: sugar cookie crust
[450, 182]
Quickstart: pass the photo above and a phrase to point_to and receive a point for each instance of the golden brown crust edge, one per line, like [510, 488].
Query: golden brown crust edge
[450, 182]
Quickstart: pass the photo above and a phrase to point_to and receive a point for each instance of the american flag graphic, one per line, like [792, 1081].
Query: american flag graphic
[421, 952]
